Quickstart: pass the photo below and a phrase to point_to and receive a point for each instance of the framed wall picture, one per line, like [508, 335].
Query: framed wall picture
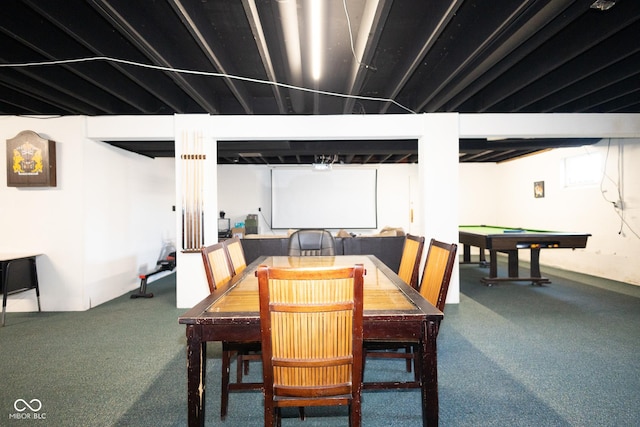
[31, 161]
[538, 189]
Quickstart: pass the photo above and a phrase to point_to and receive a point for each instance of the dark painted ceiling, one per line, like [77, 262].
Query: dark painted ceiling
[123, 57]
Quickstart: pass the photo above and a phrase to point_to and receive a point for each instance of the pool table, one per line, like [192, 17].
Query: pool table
[510, 240]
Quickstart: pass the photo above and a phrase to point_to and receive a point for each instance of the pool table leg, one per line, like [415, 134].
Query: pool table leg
[466, 255]
[536, 275]
[513, 263]
[514, 274]
[493, 266]
[535, 262]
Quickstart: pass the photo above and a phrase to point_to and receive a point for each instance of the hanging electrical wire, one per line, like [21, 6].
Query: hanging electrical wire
[204, 73]
[617, 204]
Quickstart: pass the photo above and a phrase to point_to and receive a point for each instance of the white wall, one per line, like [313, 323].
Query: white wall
[478, 195]
[48, 220]
[242, 189]
[502, 194]
[107, 219]
[102, 224]
[128, 201]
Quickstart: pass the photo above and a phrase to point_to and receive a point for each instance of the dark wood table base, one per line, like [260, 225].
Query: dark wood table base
[419, 321]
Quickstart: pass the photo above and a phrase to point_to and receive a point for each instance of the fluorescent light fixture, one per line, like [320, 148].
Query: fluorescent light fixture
[291, 33]
[316, 36]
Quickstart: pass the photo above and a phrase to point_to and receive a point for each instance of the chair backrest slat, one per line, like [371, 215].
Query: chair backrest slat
[236, 255]
[438, 268]
[217, 266]
[311, 324]
[410, 261]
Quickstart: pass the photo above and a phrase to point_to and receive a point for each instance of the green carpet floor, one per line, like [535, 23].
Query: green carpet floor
[566, 354]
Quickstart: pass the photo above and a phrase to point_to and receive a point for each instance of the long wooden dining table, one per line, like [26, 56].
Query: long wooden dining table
[392, 311]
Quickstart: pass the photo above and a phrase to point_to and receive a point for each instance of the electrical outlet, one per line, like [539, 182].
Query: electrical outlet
[259, 209]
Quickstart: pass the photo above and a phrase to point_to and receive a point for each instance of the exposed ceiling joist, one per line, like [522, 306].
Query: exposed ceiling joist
[117, 57]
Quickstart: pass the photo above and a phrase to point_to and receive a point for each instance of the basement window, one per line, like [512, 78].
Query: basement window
[583, 170]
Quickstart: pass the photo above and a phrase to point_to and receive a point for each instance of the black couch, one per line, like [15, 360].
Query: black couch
[386, 249]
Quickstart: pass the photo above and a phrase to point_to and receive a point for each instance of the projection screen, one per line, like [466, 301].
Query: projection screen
[334, 199]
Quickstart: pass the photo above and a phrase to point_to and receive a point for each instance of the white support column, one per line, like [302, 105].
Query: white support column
[191, 281]
[438, 176]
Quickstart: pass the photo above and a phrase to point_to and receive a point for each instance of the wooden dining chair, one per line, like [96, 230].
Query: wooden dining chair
[434, 286]
[235, 253]
[219, 270]
[311, 326]
[410, 261]
[408, 271]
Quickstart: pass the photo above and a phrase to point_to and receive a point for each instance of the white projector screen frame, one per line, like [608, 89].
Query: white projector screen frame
[340, 198]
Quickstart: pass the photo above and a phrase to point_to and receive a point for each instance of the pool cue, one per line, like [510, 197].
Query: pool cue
[187, 203]
[183, 195]
[201, 189]
[191, 194]
[196, 185]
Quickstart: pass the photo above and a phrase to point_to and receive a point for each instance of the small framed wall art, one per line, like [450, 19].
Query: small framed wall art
[538, 189]
[31, 161]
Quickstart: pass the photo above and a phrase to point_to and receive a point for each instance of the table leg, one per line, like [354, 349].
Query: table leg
[483, 260]
[34, 281]
[196, 370]
[493, 264]
[514, 274]
[429, 373]
[513, 263]
[466, 253]
[535, 262]
[3, 276]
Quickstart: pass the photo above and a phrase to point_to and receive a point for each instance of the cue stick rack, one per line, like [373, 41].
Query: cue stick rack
[192, 163]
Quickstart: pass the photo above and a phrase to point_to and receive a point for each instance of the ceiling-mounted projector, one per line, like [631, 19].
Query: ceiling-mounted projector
[321, 166]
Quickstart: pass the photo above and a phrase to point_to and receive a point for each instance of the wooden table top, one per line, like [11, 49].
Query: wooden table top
[383, 289]
[380, 293]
